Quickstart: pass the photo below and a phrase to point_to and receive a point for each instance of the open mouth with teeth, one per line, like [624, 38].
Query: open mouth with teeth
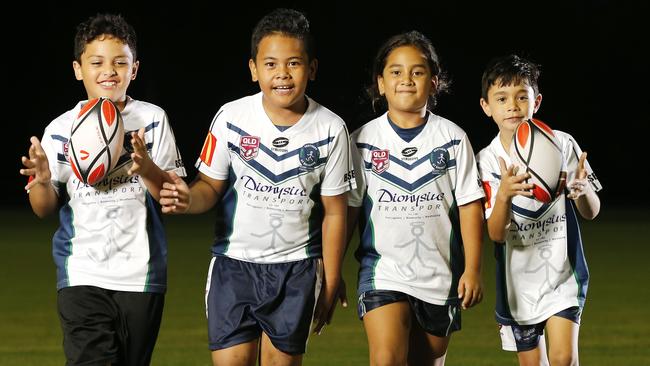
[283, 89]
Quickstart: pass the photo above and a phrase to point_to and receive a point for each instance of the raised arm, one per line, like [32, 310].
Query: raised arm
[42, 196]
[152, 176]
[581, 192]
[510, 185]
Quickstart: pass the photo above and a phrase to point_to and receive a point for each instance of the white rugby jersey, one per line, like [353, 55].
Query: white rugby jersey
[271, 210]
[409, 193]
[541, 268]
[111, 234]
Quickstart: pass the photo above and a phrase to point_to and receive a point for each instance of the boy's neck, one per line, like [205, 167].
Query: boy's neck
[285, 116]
[506, 139]
[407, 119]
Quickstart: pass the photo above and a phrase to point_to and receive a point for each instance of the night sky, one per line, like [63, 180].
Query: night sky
[195, 58]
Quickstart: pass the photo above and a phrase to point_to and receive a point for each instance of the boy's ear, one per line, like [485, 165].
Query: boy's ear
[76, 66]
[253, 68]
[486, 107]
[313, 67]
[134, 70]
[538, 102]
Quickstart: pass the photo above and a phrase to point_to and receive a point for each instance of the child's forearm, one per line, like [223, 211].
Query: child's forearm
[334, 236]
[154, 179]
[43, 199]
[499, 220]
[471, 227]
[588, 205]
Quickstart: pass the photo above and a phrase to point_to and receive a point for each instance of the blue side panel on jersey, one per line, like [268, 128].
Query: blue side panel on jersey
[502, 309]
[366, 253]
[157, 272]
[575, 252]
[62, 243]
[225, 221]
[315, 242]
[456, 252]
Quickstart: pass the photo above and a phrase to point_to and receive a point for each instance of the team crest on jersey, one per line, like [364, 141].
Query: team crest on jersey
[249, 146]
[439, 158]
[308, 156]
[380, 160]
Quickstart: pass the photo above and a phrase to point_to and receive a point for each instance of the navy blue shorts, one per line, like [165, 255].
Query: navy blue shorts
[109, 327]
[523, 338]
[437, 320]
[244, 299]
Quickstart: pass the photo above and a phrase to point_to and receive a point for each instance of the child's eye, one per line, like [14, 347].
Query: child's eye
[96, 63]
[418, 73]
[269, 64]
[525, 97]
[395, 72]
[294, 63]
[501, 100]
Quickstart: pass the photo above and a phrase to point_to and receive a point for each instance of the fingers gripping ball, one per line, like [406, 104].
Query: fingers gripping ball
[536, 149]
[96, 140]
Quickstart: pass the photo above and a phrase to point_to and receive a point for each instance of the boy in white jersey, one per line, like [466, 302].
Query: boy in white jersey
[542, 274]
[110, 249]
[421, 219]
[278, 164]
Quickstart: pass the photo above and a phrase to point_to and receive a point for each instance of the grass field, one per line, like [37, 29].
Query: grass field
[615, 330]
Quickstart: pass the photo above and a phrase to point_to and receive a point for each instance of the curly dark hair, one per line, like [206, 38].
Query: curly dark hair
[419, 41]
[104, 24]
[286, 22]
[508, 70]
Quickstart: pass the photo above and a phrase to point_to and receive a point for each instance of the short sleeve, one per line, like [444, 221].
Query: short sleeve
[214, 160]
[164, 152]
[355, 198]
[339, 172]
[490, 180]
[468, 187]
[54, 146]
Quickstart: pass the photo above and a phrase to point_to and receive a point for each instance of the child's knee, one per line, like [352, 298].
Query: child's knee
[563, 358]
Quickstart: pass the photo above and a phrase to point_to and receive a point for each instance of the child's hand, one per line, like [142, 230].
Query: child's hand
[141, 160]
[511, 183]
[470, 289]
[325, 306]
[175, 197]
[36, 165]
[579, 186]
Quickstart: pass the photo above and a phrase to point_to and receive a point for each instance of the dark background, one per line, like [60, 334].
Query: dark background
[193, 58]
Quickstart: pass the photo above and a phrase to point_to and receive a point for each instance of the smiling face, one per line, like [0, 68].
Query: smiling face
[509, 105]
[106, 68]
[282, 69]
[406, 82]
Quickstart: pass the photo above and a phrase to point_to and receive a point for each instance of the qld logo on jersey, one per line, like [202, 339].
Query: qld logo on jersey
[380, 160]
[439, 158]
[308, 156]
[249, 146]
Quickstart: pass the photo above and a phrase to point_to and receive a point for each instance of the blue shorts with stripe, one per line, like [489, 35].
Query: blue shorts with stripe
[437, 320]
[523, 338]
[244, 299]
